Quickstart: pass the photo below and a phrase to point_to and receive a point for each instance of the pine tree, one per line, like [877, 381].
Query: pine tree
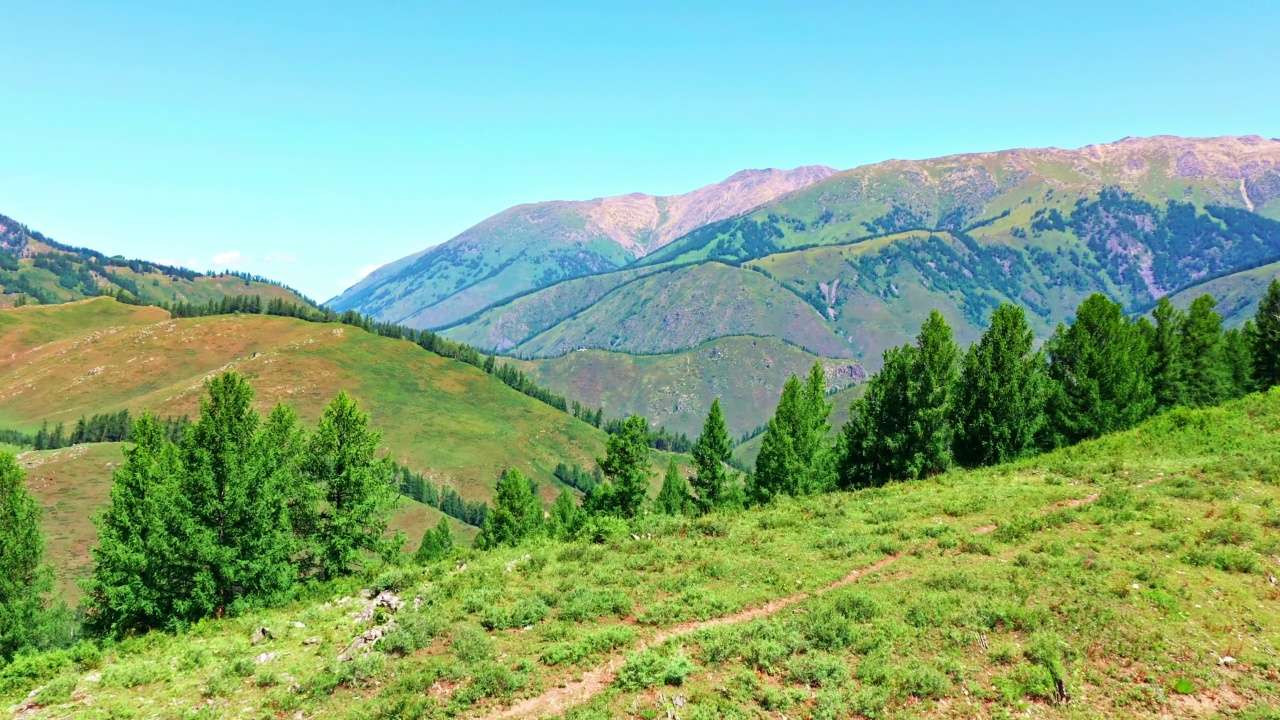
[673, 498]
[566, 517]
[1101, 374]
[1168, 374]
[516, 515]
[998, 405]
[1265, 339]
[358, 488]
[796, 458]
[711, 451]
[283, 445]
[1237, 354]
[875, 444]
[146, 574]
[25, 582]
[626, 464]
[234, 493]
[1206, 368]
[436, 543]
[933, 381]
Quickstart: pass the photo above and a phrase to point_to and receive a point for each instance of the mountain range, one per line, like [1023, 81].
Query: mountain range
[842, 265]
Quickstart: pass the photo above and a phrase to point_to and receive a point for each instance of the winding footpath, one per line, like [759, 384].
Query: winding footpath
[555, 701]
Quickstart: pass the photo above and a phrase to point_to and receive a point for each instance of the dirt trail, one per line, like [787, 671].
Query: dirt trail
[557, 700]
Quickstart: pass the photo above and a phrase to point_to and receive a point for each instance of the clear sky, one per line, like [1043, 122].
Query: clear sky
[310, 141]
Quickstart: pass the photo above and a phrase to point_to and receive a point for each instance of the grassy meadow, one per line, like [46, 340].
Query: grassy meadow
[1128, 576]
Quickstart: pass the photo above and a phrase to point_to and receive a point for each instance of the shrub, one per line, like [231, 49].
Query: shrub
[135, 674]
[857, 606]
[395, 580]
[56, 691]
[471, 645]
[923, 681]
[1023, 681]
[362, 670]
[827, 629]
[27, 670]
[587, 604]
[413, 630]
[597, 642]
[819, 669]
[647, 668]
[527, 611]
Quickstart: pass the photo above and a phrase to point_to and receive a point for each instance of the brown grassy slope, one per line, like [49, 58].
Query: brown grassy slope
[441, 417]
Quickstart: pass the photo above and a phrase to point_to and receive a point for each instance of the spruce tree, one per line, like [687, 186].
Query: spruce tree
[673, 498]
[25, 582]
[875, 444]
[933, 382]
[796, 457]
[566, 517]
[234, 493]
[1207, 374]
[1168, 373]
[998, 405]
[146, 572]
[626, 464]
[357, 487]
[516, 515]
[436, 543]
[1265, 339]
[711, 451]
[1237, 354]
[1100, 372]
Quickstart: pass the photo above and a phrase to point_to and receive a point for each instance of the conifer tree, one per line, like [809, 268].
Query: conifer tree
[626, 464]
[711, 451]
[796, 457]
[436, 543]
[933, 382]
[516, 515]
[875, 444]
[358, 488]
[233, 491]
[25, 582]
[1237, 352]
[998, 406]
[1265, 339]
[1100, 372]
[1168, 373]
[673, 498]
[566, 517]
[1206, 368]
[146, 574]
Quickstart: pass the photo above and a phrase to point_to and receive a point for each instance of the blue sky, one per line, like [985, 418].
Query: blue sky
[310, 141]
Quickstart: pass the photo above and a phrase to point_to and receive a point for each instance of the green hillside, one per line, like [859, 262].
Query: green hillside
[1237, 293]
[1126, 576]
[441, 417]
[43, 271]
[675, 390]
[685, 307]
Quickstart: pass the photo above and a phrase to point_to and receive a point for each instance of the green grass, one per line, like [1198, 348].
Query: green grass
[992, 588]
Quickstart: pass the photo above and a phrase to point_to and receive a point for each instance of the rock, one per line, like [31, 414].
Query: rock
[299, 625]
[265, 658]
[311, 641]
[260, 635]
[1226, 660]
[366, 639]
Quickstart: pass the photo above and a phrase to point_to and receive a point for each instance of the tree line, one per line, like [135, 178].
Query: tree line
[106, 427]
[444, 498]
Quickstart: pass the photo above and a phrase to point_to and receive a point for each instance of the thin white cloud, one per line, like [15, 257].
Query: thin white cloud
[362, 274]
[228, 259]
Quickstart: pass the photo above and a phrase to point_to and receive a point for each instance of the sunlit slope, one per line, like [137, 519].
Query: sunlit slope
[1129, 576]
[1237, 294]
[685, 307]
[441, 417]
[676, 390]
[73, 485]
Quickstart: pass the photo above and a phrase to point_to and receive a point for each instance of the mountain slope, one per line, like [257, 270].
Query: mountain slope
[685, 307]
[441, 417]
[676, 390]
[50, 272]
[1237, 294]
[1112, 579]
[532, 246]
